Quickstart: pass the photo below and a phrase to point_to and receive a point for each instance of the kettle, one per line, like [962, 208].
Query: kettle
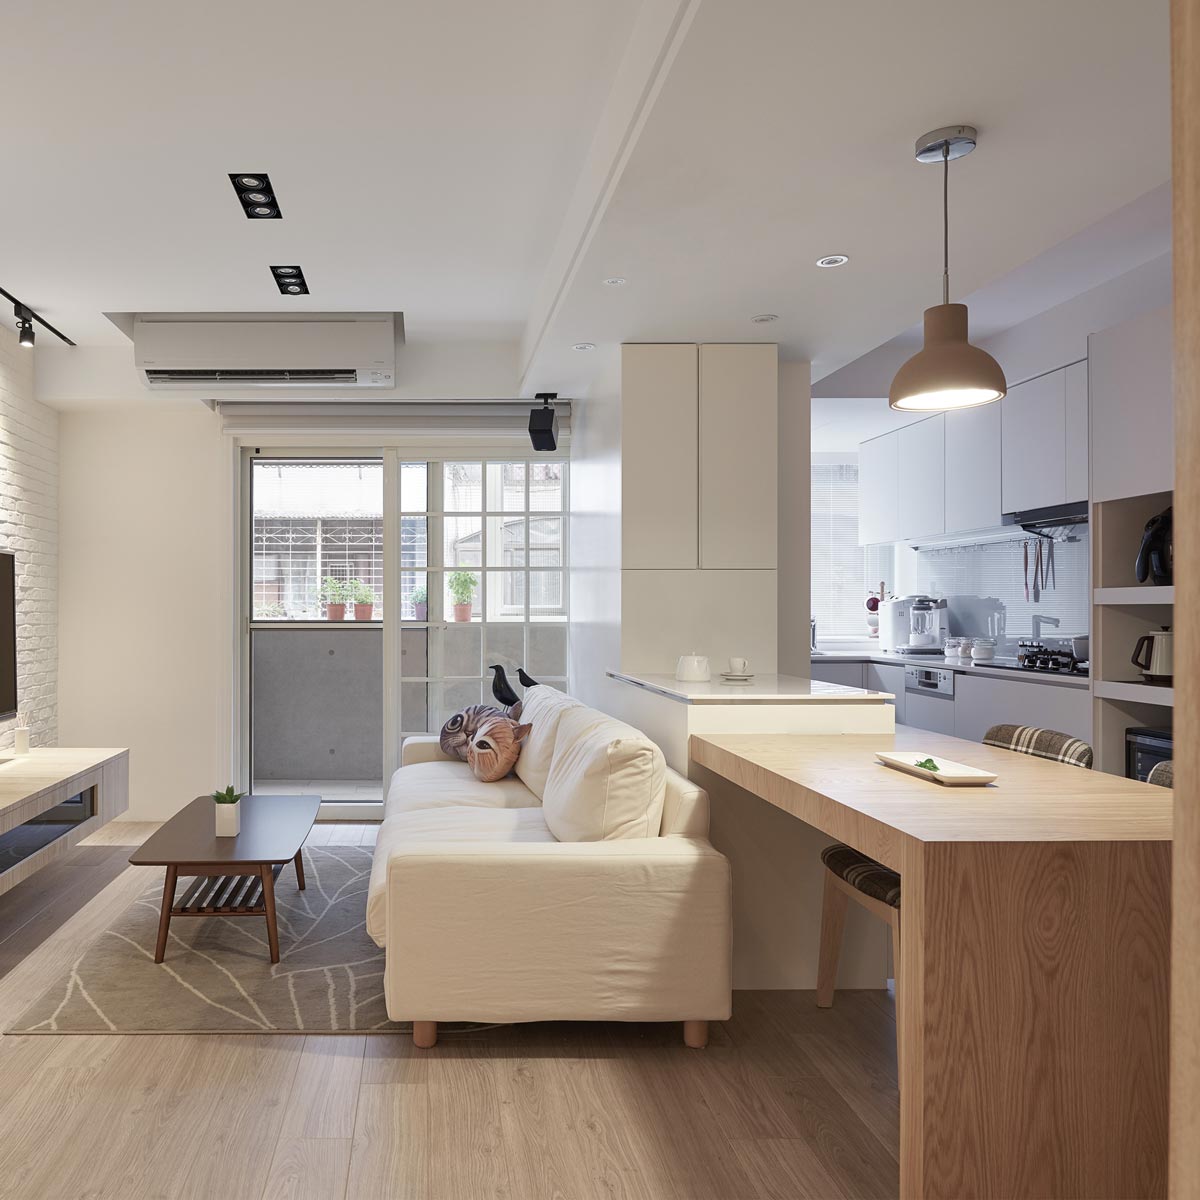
[1154, 656]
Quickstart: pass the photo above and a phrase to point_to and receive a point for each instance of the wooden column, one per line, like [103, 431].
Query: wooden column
[1034, 1020]
[1185, 999]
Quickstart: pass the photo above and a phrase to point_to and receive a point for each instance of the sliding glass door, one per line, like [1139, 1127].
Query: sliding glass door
[381, 591]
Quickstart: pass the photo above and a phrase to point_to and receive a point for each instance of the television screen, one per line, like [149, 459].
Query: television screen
[8, 635]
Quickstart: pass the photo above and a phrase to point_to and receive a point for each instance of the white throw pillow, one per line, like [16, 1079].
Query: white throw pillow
[542, 707]
[607, 780]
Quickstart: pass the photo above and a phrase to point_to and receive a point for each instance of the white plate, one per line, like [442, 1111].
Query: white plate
[736, 678]
[948, 774]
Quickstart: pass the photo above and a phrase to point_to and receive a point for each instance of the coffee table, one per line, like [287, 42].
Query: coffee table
[235, 876]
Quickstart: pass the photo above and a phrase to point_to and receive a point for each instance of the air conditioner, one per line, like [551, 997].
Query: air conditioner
[208, 351]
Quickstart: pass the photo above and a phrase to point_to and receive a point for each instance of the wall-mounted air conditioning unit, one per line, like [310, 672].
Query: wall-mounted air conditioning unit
[210, 351]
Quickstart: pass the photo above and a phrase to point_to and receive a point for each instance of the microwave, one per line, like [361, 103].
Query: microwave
[1145, 749]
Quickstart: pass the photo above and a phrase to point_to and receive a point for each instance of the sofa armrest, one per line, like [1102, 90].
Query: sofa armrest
[423, 748]
[633, 929]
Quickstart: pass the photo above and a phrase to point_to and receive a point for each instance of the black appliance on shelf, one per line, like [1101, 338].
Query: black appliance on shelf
[1144, 750]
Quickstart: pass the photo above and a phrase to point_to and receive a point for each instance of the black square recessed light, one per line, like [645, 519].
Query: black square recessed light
[290, 281]
[256, 195]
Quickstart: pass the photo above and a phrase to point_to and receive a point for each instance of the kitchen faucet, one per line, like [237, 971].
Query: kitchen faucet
[1039, 621]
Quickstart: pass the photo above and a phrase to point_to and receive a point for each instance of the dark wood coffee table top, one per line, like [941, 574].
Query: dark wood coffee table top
[273, 830]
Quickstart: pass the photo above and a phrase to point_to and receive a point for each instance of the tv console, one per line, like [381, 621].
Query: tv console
[52, 797]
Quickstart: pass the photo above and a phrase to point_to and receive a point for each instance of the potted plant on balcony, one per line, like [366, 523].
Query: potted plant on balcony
[420, 603]
[228, 807]
[334, 594]
[364, 600]
[462, 585]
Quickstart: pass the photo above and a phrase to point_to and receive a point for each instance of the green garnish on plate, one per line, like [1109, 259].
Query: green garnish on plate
[927, 764]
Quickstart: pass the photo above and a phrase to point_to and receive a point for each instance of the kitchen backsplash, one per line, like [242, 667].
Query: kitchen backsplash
[984, 587]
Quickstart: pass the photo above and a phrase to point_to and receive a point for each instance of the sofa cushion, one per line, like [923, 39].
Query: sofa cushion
[606, 780]
[449, 825]
[543, 707]
[451, 785]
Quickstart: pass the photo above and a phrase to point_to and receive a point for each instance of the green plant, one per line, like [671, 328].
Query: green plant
[419, 596]
[334, 591]
[228, 796]
[361, 592]
[927, 764]
[462, 585]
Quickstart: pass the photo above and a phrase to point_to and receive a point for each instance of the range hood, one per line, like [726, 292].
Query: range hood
[1055, 516]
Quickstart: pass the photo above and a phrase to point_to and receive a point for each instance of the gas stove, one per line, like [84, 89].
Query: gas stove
[1034, 656]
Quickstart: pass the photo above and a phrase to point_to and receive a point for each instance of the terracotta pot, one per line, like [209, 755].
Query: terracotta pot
[363, 612]
[421, 611]
[335, 612]
[462, 612]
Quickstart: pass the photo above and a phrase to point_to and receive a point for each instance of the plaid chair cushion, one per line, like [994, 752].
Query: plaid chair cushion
[862, 873]
[1042, 743]
[1162, 775]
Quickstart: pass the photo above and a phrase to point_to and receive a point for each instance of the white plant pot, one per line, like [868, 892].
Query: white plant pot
[229, 819]
[21, 740]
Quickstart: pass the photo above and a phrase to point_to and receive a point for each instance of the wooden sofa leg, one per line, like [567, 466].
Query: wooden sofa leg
[424, 1034]
[695, 1034]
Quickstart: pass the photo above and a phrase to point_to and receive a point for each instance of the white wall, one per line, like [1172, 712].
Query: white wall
[795, 517]
[595, 521]
[29, 472]
[145, 611]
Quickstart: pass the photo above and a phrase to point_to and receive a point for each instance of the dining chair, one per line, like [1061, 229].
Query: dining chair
[850, 875]
[1162, 774]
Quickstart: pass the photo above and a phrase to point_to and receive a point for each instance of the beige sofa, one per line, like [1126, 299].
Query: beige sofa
[582, 888]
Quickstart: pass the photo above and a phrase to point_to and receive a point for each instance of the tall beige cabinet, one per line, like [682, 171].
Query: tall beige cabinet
[699, 504]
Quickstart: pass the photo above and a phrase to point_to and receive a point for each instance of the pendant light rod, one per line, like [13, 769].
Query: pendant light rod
[946, 223]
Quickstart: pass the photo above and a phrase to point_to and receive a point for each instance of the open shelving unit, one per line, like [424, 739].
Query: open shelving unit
[1123, 610]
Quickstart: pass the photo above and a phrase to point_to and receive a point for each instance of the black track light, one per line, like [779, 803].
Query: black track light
[24, 326]
[543, 423]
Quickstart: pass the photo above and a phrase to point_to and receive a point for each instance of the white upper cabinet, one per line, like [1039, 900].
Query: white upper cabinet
[922, 478]
[1033, 460]
[1133, 413]
[659, 457]
[1075, 395]
[879, 490]
[973, 468]
[739, 457]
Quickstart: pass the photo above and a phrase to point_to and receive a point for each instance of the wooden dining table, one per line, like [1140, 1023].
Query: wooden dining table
[1033, 984]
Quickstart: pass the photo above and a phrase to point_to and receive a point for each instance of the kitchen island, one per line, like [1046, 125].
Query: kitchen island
[1032, 991]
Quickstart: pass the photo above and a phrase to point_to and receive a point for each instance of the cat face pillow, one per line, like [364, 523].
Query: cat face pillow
[495, 748]
[457, 732]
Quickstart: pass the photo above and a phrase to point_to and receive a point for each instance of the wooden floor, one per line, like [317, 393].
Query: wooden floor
[787, 1102]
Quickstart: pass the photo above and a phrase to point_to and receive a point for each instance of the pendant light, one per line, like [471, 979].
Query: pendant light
[948, 372]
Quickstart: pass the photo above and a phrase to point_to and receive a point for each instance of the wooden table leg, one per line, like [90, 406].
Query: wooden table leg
[1034, 1022]
[164, 917]
[268, 886]
[300, 869]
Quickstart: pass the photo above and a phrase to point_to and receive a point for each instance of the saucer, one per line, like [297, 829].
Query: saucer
[737, 677]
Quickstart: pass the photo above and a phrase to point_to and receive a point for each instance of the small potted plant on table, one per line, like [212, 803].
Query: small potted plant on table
[420, 603]
[462, 585]
[364, 600]
[228, 807]
[334, 593]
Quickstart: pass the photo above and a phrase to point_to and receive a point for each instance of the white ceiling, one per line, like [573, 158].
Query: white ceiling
[482, 167]
[421, 153]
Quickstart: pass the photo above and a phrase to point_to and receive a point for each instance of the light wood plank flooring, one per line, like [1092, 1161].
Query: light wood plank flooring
[787, 1102]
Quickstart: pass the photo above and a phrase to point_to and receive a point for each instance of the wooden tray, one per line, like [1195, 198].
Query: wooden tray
[949, 773]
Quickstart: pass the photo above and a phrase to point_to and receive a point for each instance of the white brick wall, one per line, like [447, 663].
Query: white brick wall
[29, 529]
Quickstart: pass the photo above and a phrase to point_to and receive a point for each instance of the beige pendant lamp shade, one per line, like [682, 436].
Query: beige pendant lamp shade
[947, 372]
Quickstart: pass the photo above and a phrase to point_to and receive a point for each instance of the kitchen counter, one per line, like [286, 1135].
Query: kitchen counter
[949, 664]
[762, 689]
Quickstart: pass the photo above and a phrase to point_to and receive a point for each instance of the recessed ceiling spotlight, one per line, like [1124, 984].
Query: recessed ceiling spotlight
[584, 346]
[257, 196]
[765, 318]
[615, 281]
[290, 281]
[833, 260]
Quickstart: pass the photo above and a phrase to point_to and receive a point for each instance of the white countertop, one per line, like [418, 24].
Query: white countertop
[962, 666]
[762, 689]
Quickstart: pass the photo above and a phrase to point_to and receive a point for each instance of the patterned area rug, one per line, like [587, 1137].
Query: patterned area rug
[218, 978]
